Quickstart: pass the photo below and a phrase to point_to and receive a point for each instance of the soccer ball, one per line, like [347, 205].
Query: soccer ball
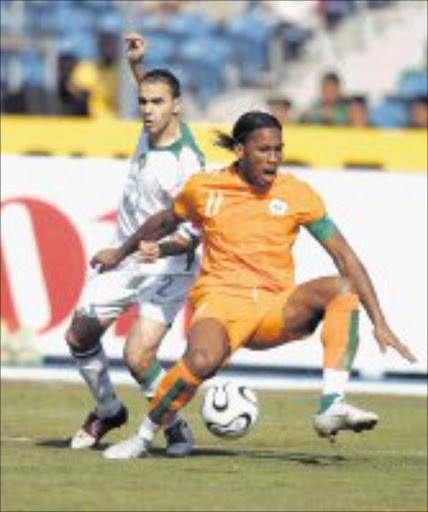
[229, 410]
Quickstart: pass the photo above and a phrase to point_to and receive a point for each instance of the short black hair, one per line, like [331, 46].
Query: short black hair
[331, 76]
[282, 100]
[163, 75]
[420, 99]
[359, 98]
[245, 126]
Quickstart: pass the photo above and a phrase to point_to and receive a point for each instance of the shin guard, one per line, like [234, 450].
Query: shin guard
[175, 390]
[340, 332]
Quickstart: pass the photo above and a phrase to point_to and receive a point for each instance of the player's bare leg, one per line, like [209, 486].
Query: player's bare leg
[142, 344]
[333, 301]
[83, 338]
[208, 348]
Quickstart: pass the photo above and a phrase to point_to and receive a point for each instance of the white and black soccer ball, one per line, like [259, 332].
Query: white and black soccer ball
[229, 410]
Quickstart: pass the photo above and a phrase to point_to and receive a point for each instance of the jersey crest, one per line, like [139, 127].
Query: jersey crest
[278, 207]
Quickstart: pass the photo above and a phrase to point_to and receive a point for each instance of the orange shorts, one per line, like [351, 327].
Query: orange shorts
[251, 315]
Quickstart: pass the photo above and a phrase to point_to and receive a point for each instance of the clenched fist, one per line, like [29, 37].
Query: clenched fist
[136, 47]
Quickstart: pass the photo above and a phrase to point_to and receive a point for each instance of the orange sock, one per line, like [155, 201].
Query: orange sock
[340, 332]
[174, 391]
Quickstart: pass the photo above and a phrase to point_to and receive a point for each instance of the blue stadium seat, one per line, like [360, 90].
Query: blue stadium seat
[109, 21]
[379, 4]
[97, 5]
[71, 18]
[4, 74]
[181, 73]
[160, 51]
[295, 38]
[41, 3]
[33, 68]
[184, 25]
[391, 113]
[81, 44]
[149, 23]
[205, 59]
[42, 18]
[6, 21]
[413, 83]
[211, 50]
[341, 8]
[250, 37]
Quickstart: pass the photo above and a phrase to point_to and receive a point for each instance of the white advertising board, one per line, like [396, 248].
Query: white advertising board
[56, 212]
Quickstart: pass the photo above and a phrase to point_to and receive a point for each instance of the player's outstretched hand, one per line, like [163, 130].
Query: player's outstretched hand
[136, 47]
[148, 252]
[386, 338]
[106, 259]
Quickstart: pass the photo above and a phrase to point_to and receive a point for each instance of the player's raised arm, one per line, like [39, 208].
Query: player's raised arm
[350, 266]
[135, 54]
[156, 227]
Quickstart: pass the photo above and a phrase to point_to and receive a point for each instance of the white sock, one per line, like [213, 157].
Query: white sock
[148, 429]
[94, 369]
[334, 382]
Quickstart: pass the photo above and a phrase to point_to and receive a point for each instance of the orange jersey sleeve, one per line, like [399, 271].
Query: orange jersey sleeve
[311, 207]
[186, 201]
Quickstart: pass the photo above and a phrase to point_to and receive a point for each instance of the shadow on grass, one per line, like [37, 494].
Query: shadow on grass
[65, 443]
[306, 458]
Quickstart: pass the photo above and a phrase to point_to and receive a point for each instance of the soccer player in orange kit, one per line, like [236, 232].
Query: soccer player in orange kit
[249, 215]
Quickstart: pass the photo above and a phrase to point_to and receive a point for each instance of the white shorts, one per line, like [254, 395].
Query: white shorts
[159, 297]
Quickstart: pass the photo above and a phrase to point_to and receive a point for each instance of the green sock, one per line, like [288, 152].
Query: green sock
[327, 400]
[149, 379]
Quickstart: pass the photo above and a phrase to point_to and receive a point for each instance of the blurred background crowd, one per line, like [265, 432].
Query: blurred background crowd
[333, 62]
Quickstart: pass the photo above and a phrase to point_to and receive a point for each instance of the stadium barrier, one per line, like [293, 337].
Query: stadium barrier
[305, 146]
[56, 212]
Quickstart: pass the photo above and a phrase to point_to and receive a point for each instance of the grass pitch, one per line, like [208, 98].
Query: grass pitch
[279, 465]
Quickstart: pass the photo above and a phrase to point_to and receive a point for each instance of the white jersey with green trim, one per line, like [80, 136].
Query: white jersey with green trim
[156, 176]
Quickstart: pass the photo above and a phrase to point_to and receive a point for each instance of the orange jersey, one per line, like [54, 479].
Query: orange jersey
[247, 237]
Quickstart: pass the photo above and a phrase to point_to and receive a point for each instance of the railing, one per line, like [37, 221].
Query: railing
[305, 146]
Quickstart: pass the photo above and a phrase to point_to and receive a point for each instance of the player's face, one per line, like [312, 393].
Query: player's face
[261, 156]
[157, 106]
[330, 91]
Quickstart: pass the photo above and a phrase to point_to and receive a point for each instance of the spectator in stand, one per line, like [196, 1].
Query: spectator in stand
[280, 107]
[332, 12]
[331, 107]
[100, 80]
[72, 101]
[358, 112]
[419, 112]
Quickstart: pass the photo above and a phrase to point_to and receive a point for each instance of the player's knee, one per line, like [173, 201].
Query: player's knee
[83, 333]
[138, 360]
[341, 288]
[345, 286]
[201, 363]
[72, 340]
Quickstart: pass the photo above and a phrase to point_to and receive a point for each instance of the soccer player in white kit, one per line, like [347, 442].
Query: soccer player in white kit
[165, 156]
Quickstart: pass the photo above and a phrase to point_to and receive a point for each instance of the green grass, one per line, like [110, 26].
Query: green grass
[280, 465]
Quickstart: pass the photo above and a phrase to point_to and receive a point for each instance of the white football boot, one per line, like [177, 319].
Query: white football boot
[342, 416]
[131, 448]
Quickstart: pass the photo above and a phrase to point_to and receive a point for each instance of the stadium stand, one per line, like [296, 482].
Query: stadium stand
[228, 51]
